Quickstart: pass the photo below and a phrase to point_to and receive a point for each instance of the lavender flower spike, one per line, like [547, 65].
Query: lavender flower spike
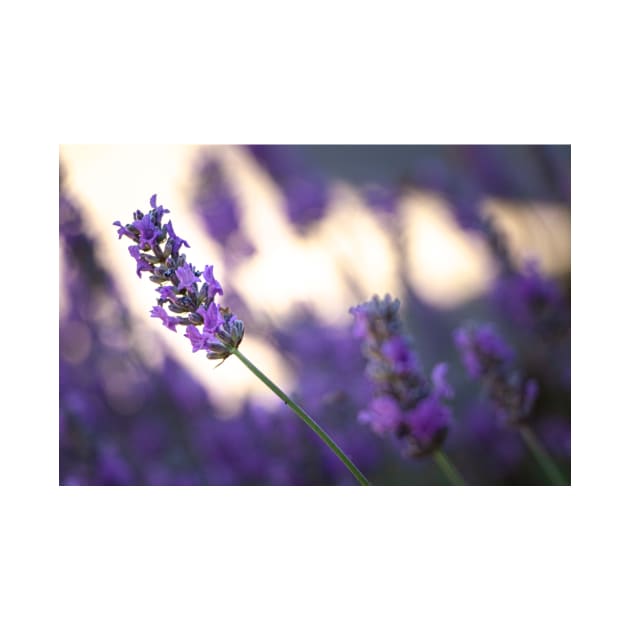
[488, 359]
[156, 250]
[405, 403]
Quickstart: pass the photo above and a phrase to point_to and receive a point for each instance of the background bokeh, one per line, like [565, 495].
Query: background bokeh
[298, 234]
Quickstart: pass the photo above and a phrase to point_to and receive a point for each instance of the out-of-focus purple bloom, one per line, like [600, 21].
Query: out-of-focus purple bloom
[428, 424]
[530, 394]
[441, 386]
[383, 415]
[215, 201]
[305, 191]
[489, 359]
[399, 355]
[404, 403]
[506, 447]
[481, 349]
[532, 300]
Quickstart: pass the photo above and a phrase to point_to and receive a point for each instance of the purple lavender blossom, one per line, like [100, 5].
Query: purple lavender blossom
[213, 285]
[187, 278]
[405, 403]
[441, 386]
[489, 359]
[142, 265]
[156, 250]
[531, 300]
[197, 339]
[211, 317]
[169, 322]
[428, 424]
[383, 415]
[481, 349]
[215, 201]
[176, 241]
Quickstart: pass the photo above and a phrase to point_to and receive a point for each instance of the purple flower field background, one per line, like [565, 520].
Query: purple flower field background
[470, 356]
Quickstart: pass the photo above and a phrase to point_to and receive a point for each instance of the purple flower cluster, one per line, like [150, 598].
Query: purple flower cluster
[215, 202]
[405, 403]
[488, 358]
[305, 191]
[157, 250]
[531, 300]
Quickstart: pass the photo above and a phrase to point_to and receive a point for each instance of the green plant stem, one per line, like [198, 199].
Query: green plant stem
[542, 457]
[360, 477]
[448, 468]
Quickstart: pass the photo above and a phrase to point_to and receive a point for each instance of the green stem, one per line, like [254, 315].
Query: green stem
[448, 468]
[305, 417]
[542, 457]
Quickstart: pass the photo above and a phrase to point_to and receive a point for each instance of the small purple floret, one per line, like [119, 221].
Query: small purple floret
[441, 386]
[211, 319]
[187, 278]
[169, 322]
[383, 415]
[149, 232]
[213, 285]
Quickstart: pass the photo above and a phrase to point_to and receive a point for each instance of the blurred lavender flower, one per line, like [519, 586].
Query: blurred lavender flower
[532, 301]
[215, 202]
[380, 197]
[157, 251]
[488, 359]
[218, 207]
[405, 403]
[305, 190]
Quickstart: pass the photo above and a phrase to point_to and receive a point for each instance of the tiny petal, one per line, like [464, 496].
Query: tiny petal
[441, 386]
[399, 354]
[383, 415]
[210, 316]
[169, 322]
[428, 423]
[149, 232]
[176, 241]
[124, 231]
[197, 340]
[167, 293]
[213, 285]
[530, 394]
[187, 278]
[142, 264]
